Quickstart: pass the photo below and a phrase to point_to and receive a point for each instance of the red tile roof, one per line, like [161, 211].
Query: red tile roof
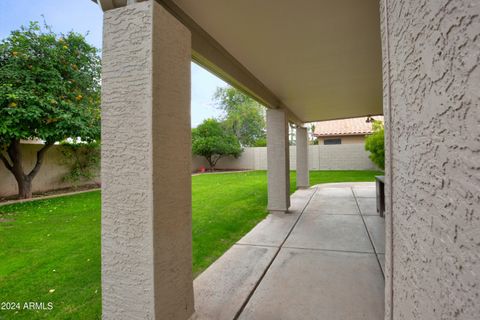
[353, 126]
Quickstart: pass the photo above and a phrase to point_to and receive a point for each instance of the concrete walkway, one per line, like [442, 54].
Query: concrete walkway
[323, 260]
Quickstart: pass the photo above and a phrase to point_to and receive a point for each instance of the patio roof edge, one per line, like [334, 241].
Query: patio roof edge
[211, 55]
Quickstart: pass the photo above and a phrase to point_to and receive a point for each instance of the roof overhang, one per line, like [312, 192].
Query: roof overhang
[318, 59]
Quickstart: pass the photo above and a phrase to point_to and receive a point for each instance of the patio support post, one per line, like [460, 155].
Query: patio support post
[146, 165]
[303, 180]
[278, 161]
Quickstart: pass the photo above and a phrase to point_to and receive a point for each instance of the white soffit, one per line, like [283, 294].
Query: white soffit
[321, 58]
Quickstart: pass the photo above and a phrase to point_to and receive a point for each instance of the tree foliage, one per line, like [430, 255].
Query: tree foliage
[375, 144]
[243, 116]
[262, 142]
[211, 141]
[49, 90]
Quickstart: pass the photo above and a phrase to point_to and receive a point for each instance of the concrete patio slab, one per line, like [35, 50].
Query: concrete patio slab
[368, 206]
[330, 232]
[334, 193]
[315, 262]
[339, 205]
[309, 284]
[365, 192]
[221, 290]
[272, 231]
[300, 198]
[376, 229]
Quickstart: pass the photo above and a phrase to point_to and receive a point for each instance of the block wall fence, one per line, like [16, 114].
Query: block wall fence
[321, 157]
[50, 176]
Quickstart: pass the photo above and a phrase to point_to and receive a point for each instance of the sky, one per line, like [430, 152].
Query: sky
[85, 17]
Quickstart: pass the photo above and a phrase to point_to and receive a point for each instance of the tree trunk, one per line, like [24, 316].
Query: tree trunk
[24, 187]
[15, 166]
[211, 163]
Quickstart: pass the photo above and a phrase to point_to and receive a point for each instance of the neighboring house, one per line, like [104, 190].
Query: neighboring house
[345, 131]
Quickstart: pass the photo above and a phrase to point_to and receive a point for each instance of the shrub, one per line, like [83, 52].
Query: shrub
[213, 142]
[375, 144]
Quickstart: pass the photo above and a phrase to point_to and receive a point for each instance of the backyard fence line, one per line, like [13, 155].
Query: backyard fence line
[51, 174]
[321, 157]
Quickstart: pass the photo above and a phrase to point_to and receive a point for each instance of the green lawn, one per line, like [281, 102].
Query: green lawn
[54, 244]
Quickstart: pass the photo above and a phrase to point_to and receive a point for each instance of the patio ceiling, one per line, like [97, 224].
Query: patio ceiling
[319, 59]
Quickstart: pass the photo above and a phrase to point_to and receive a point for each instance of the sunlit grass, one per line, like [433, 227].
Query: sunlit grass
[50, 249]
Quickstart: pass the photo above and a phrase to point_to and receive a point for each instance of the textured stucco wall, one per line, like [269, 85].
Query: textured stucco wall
[146, 165]
[49, 177]
[278, 160]
[301, 163]
[431, 53]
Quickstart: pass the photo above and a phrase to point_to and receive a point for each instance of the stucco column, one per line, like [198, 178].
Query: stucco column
[303, 180]
[146, 163]
[278, 161]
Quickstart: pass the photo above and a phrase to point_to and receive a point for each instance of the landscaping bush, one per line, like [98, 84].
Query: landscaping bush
[375, 144]
[212, 141]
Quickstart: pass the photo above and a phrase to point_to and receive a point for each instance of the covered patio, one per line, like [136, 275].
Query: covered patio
[416, 62]
[146, 144]
[322, 260]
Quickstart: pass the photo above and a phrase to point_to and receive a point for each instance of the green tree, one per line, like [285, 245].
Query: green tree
[211, 141]
[243, 116]
[49, 90]
[262, 142]
[376, 145]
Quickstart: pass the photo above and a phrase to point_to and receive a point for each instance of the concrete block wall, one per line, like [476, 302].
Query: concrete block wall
[261, 159]
[321, 157]
[344, 157]
[431, 53]
[49, 177]
[245, 161]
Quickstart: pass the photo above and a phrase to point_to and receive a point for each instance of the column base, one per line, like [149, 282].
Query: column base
[303, 187]
[279, 211]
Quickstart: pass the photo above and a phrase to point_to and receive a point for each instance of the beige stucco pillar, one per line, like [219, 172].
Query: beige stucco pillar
[278, 161]
[146, 163]
[303, 180]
